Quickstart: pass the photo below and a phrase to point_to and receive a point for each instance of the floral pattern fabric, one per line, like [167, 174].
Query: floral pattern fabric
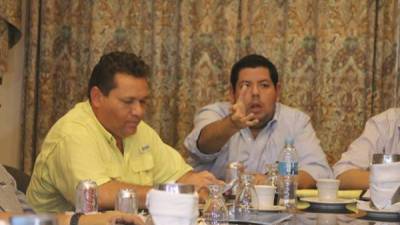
[10, 30]
[336, 59]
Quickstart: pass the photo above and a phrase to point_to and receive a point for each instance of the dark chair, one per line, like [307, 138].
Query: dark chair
[20, 177]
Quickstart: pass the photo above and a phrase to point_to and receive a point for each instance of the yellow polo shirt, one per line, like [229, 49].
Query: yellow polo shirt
[78, 147]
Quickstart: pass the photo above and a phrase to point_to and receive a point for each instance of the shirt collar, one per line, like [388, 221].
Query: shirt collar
[107, 135]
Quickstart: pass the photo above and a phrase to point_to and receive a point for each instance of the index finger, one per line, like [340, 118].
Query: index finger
[242, 93]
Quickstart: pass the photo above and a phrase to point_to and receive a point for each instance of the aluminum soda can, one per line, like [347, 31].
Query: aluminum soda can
[126, 201]
[86, 197]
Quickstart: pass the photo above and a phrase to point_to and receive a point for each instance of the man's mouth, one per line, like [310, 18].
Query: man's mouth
[132, 123]
[255, 107]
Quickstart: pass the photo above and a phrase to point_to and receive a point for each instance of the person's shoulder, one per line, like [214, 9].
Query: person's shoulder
[288, 112]
[392, 113]
[5, 177]
[217, 107]
[75, 122]
[389, 116]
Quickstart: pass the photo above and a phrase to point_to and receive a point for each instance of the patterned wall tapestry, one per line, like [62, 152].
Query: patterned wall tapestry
[336, 59]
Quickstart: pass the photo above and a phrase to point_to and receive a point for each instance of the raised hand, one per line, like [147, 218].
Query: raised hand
[239, 116]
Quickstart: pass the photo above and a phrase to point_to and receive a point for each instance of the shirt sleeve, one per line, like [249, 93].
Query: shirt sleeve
[169, 165]
[359, 152]
[76, 158]
[312, 159]
[203, 117]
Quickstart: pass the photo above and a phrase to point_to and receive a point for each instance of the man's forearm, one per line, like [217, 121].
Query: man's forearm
[109, 190]
[214, 136]
[354, 179]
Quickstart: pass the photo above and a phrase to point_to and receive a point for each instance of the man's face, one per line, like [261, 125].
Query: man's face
[122, 110]
[260, 94]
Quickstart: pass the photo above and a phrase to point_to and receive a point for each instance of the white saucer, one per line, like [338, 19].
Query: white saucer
[377, 213]
[338, 201]
[272, 208]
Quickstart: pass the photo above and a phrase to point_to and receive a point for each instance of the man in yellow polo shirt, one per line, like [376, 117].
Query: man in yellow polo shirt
[105, 140]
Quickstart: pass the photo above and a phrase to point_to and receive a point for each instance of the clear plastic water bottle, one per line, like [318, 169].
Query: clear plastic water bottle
[287, 179]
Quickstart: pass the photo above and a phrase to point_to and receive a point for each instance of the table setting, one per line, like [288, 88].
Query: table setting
[240, 201]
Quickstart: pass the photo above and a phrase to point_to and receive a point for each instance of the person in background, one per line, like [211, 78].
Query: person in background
[252, 127]
[381, 134]
[106, 140]
[13, 202]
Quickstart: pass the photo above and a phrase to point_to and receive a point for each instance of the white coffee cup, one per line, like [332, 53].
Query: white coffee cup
[265, 194]
[327, 189]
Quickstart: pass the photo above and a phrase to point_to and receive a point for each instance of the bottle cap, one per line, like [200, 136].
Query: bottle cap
[289, 140]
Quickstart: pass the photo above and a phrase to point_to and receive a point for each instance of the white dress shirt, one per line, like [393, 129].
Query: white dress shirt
[381, 132]
[255, 153]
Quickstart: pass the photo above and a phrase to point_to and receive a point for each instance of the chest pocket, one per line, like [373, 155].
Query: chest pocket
[140, 170]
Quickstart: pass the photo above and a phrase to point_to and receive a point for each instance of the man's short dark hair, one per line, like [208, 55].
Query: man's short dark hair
[112, 63]
[253, 61]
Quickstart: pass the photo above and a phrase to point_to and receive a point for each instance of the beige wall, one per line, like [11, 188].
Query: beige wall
[11, 107]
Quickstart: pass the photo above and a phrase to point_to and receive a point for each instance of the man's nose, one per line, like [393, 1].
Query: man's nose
[255, 90]
[137, 109]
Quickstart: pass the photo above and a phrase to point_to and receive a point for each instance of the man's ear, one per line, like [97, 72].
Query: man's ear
[96, 96]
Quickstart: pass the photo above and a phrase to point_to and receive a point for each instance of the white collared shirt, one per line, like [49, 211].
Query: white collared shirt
[255, 153]
[381, 132]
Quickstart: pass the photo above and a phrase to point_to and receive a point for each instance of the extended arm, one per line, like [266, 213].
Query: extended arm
[214, 136]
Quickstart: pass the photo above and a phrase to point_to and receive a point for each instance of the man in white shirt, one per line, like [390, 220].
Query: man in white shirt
[253, 126]
[381, 133]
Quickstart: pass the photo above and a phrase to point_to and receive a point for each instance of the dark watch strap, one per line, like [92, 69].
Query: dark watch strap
[75, 218]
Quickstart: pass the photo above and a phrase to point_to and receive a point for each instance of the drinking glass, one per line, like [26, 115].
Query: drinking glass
[215, 211]
[247, 199]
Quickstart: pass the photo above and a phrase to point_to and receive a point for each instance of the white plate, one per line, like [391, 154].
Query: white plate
[272, 208]
[339, 201]
[377, 213]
